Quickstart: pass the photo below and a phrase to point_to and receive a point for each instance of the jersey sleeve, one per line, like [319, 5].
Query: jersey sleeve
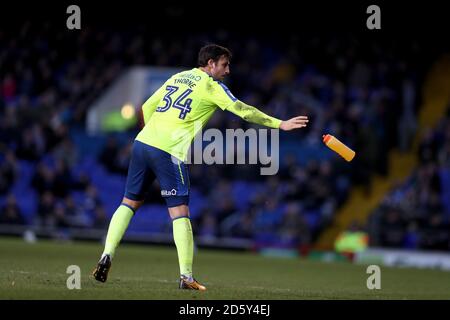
[253, 115]
[151, 104]
[221, 95]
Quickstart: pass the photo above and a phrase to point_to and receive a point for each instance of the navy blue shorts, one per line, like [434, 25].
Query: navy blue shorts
[148, 163]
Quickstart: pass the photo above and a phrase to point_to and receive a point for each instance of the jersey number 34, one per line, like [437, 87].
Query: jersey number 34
[184, 106]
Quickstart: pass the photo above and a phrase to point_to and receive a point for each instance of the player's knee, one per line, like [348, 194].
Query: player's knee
[133, 204]
[179, 211]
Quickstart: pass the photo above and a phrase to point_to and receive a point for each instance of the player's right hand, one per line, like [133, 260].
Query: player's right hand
[294, 123]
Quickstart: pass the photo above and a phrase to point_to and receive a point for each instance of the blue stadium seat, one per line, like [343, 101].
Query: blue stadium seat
[27, 202]
[150, 218]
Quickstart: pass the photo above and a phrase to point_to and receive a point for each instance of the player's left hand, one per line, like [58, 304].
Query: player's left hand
[294, 123]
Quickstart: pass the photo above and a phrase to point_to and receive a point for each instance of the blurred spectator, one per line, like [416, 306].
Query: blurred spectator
[393, 229]
[244, 227]
[239, 224]
[32, 144]
[294, 230]
[222, 201]
[268, 219]
[60, 220]
[109, 153]
[63, 179]
[100, 220]
[8, 87]
[11, 213]
[91, 200]
[412, 237]
[46, 209]
[352, 240]
[428, 147]
[208, 226]
[8, 172]
[66, 152]
[413, 214]
[75, 215]
[122, 160]
[81, 182]
[43, 179]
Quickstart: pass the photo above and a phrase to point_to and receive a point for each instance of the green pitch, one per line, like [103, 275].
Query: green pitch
[38, 271]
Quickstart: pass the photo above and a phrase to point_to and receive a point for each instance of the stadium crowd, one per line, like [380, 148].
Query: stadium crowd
[362, 91]
[416, 213]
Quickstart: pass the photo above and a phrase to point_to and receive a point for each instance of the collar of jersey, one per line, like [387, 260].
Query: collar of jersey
[207, 74]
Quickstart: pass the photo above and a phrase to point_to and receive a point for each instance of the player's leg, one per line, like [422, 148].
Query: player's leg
[184, 241]
[138, 179]
[183, 238]
[117, 227]
[173, 178]
[119, 224]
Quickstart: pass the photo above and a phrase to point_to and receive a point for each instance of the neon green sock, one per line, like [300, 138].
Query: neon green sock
[117, 226]
[184, 241]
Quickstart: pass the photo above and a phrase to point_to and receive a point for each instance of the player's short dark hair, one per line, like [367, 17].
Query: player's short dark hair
[212, 51]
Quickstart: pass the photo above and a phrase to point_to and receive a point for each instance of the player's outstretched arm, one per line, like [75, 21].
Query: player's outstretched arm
[253, 115]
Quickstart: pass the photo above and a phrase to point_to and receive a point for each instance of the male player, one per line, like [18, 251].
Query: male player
[172, 116]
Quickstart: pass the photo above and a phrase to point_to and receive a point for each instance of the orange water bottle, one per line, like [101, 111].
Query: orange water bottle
[337, 146]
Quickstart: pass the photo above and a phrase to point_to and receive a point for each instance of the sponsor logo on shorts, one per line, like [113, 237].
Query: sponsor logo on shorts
[166, 193]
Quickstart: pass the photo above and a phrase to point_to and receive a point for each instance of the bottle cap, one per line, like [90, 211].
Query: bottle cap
[326, 138]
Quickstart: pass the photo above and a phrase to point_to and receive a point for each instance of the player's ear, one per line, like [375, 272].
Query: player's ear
[211, 63]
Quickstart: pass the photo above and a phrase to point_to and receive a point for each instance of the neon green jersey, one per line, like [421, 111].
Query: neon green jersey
[177, 111]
